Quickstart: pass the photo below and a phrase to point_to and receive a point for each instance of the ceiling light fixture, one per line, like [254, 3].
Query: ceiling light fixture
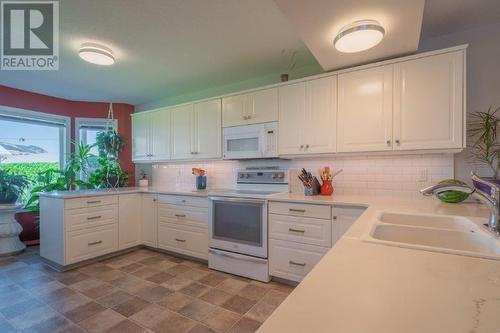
[96, 54]
[359, 36]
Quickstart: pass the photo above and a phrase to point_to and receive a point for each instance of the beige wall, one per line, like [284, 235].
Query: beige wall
[483, 77]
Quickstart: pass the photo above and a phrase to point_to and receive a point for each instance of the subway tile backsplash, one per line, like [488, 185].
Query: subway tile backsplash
[388, 175]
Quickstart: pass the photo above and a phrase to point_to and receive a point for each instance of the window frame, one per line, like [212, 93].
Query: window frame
[37, 116]
[84, 121]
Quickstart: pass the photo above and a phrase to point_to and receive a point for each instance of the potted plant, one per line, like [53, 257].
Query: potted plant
[67, 178]
[483, 144]
[110, 174]
[11, 187]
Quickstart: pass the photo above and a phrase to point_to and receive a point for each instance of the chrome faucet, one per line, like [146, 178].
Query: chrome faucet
[492, 199]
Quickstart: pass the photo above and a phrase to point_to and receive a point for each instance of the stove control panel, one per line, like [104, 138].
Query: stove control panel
[262, 176]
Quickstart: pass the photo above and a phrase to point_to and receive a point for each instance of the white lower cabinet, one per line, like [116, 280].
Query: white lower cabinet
[182, 239]
[301, 234]
[129, 220]
[87, 244]
[149, 216]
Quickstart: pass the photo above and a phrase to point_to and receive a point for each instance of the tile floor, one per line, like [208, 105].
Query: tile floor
[141, 291]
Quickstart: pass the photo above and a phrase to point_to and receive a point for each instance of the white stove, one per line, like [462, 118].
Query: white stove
[238, 222]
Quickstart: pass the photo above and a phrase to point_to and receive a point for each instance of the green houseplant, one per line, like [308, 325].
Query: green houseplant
[11, 187]
[483, 145]
[110, 174]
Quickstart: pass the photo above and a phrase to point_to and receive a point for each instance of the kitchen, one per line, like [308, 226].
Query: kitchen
[339, 196]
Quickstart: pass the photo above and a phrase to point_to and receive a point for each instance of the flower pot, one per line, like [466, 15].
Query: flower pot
[327, 187]
[201, 182]
[30, 221]
[485, 188]
[8, 198]
[113, 181]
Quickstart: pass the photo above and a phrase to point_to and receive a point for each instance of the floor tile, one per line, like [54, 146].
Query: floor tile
[69, 303]
[195, 274]
[238, 304]
[213, 279]
[84, 311]
[102, 321]
[201, 329]
[197, 310]
[145, 272]
[151, 261]
[130, 267]
[274, 297]
[253, 292]
[261, 311]
[232, 285]
[114, 299]
[5, 327]
[178, 269]
[72, 277]
[153, 293]
[176, 283]
[215, 296]
[221, 319]
[33, 317]
[175, 301]
[21, 308]
[173, 323]
[150, 316]
[131, 306]
[73, 329]
[52, 325]
[195, 289]
[245, 325]
[160, 277]
[126, 326]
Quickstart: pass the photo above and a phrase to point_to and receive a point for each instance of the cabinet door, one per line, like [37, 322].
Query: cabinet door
[140, 137]
[428, 102]
[129, 220]
[208, 137]
[182, 132]
[364, 115]
[160, 135]
[343, 218]
[234, 110]
[262, 106]
[149, 214]
[321, 115]
[292, 104]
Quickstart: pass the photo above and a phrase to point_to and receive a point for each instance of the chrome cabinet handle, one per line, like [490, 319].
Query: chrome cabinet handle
[180, 240]
[301, 264]
[94, 202]
[397, 142]
[296, 230]
[155, 200]
[297, 210]
[301, 147]
[94, 243]
[388, 143]
[180, 215]
[94, 217]
[335, 217]
[307, 146]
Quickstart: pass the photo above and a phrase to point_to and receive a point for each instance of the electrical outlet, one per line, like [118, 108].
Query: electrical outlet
[422, 175]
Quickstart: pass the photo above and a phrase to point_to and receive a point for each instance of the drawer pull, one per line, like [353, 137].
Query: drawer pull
[95, 243]
[180, 240]
[301, 264]
[94, 202]
[182, 201]
[335, 217]
[180, 215]
[296, 230]
[94, 217]
[297, 210]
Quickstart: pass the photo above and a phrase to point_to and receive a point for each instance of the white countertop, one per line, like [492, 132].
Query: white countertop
[125, 190]
[365, 287]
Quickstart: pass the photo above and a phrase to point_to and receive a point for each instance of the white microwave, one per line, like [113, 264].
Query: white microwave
[251, 141]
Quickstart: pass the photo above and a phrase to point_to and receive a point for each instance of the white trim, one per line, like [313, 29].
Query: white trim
[48, 117]
[318, 76]
[79, 121]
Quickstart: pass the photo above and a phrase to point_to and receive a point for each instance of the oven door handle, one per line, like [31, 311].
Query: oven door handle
[238, 257]
[244, 200]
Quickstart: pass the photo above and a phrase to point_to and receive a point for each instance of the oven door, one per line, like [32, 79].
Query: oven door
[238, 225]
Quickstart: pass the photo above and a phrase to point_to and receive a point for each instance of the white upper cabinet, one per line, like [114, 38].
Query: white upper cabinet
[428, 102]
[364, 116]
[307, 117]
[182, 132]
[208, 129]
[257, 107]
[196, 131]
[151, 136]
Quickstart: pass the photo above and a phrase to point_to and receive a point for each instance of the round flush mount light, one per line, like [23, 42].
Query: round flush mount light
[359, 36]
[96, 54]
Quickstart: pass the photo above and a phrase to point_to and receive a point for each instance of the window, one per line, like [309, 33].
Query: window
[32, 142]
[87, 129]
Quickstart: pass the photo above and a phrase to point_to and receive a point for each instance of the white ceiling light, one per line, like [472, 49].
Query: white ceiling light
[96, 54]
[359, 36]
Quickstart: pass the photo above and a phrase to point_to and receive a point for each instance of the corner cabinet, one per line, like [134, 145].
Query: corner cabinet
[151, 136]
[416, 104]
[307, 117]
[129, 220]
[197, 131]
[256, 107]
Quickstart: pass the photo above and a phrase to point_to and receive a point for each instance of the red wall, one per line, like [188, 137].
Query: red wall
[36, 102]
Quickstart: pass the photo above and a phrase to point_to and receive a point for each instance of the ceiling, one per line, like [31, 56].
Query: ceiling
[442, 17]
[317, 22]
[165, 48]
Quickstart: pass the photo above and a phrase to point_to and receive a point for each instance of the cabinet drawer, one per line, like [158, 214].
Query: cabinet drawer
[285, 208]
[90, 243]
[91, 201]
[292, 261]
[195, 216]
[83, 218]
[183, 200]
[300, 229]
[183, 239]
